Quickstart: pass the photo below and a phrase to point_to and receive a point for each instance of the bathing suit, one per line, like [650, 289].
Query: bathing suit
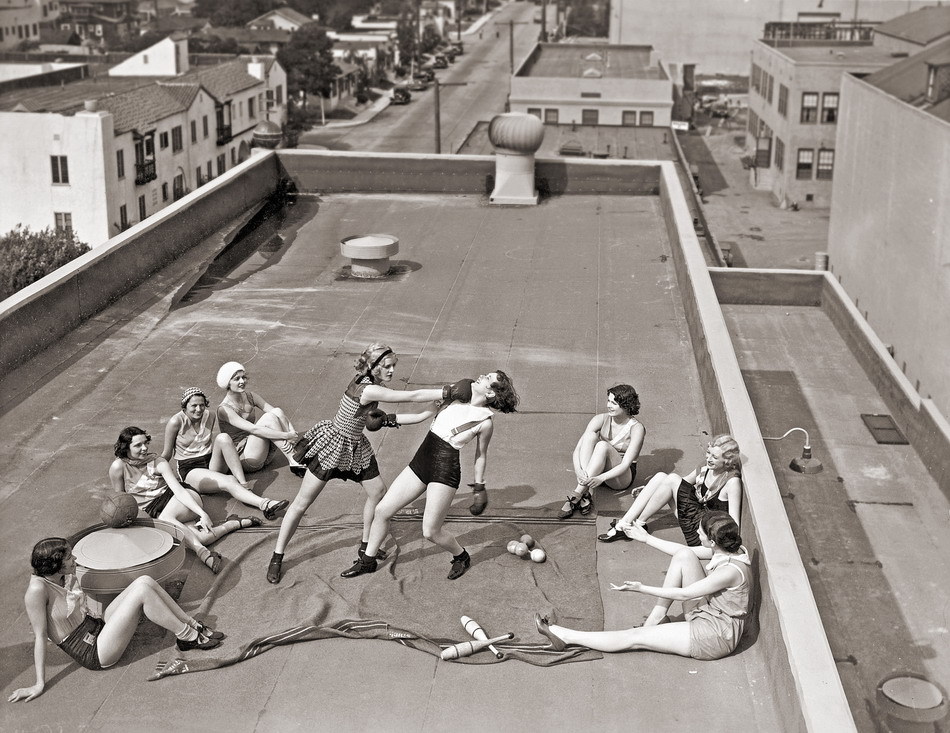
[69, 624]
[437, 459]
[694, 500]
[338, 448]
[193, 445]
[716, 626]
[620, 441]
[245, 412]
[143, 481]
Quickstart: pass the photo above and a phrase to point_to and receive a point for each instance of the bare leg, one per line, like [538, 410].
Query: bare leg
[375, 489]
[177, 513]
[310, 489]
[685, 568]
[668, 638]
[225, 455]
[405, 489]
[121, 618]
[256, 449]
[657, 493]
[211, 482]
[438, 502]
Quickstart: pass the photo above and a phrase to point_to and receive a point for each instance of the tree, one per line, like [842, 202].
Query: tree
[406, 36]
[308, 60]
[430, 39]
[134, 44]
[213, 44]
[27, 256]
[229, 13]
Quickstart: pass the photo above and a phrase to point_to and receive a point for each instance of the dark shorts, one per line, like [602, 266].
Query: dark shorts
[437, 462]
[158, 504]
[327, 474]
[186, 465]
[83, 644]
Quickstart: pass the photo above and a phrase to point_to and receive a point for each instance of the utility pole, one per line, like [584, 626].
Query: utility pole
[511, 40]
[544, 21]
[458, 18]
[438, 117]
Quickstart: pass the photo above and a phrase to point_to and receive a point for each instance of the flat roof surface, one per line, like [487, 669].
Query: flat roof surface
[845, 54]
[574, 61]
[569, 297]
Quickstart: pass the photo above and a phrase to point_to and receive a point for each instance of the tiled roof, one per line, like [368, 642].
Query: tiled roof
[907, 79]
[139, 109]
[922, 26]
[251, 35]
[222, 80]
[288, 13]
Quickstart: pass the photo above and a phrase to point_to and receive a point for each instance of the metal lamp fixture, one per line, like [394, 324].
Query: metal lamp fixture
[806, 463]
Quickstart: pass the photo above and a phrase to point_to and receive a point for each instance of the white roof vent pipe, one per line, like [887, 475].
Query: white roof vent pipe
[516, 137]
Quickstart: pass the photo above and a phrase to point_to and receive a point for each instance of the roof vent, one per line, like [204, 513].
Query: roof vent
[90, 105]
[592, 74]
[900, 55]
[516, 137]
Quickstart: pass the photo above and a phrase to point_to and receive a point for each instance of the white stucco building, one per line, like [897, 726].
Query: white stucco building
[593, 84]
[21, 20]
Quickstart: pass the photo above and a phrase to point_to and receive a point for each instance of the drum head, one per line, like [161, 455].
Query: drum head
[126, 547]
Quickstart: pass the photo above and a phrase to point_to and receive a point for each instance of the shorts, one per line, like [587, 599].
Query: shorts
[327, 474]
[185, 465]
[83, 644]
[712, 636]
[157, 505]
[437, 462]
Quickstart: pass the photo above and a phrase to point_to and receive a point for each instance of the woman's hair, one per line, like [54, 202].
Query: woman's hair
[192, 392]
[505, 399]
[371, 358]
[721, 529]
[627, 397]
[730, 451]
[125, 440]
[48, 556]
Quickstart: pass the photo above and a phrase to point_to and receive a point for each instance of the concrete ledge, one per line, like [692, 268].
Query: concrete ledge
[806, 686]
[767, 287]
[38, 315]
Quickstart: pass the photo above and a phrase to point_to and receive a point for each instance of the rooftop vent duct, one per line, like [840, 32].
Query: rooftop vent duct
[516, 137]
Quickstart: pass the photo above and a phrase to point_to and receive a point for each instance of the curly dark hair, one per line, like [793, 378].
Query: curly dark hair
[48, 556]
[627, 397]
[505, 398]
[721, 529]
[121, 447]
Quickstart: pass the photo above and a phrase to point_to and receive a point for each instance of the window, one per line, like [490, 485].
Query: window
[176, 138]
[178, 186]
[198, 180]
[768, 87]
[809, 107]
[270, 98]
[589, 117]
[222, 162]
[829, 107]
[646, 119]
[164, 191]
[204, 125]
[753, 126]
[250, 108]
[120, 163]
[536, 111]
[590, 95]
[210, 174]
[233, 156]
[60, 168]
[806, 159]
[550, 117]
[756, 80]
[163, 140]
[194, 132]
[826, 165]
[142, 213]
[280, 94]
[628, 118]
[783, 100]
[123, 218]
[779, 154]
[64, 221]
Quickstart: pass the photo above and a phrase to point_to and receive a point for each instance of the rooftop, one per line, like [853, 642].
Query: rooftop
[574, 61]
[923, 26]
[907, 79]
[844, 55]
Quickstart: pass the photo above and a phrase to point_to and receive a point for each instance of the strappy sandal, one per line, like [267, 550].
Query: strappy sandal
[250, 521]
[613, 534]
[214, 561]
[570, 506]
[557, 643]
[271, 509]
[586, 503]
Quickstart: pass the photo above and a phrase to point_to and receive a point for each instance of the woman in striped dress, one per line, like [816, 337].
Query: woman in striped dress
[338, 448]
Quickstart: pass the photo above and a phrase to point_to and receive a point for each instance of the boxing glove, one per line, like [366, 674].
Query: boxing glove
[376, 419]
[461, 391]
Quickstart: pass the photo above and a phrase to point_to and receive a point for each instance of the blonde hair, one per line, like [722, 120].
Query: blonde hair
[371, 357]
[730, 451]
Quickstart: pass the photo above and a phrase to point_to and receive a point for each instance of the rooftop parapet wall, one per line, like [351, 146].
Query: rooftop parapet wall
[38, 315]
[806, 685]
[918, 418]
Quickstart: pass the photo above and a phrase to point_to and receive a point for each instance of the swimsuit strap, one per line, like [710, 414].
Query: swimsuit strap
[469, 425]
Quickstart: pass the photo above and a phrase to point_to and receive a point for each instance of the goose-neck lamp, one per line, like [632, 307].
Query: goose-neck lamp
[806, 463]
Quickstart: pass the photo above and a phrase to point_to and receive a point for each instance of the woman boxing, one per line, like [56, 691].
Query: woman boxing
[56, 607]
[607, 451]
[717, 599]
[436, 470]
[338, 448]
[202, 457]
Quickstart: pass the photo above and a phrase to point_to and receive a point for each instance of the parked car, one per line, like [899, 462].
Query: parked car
[400, 95]
[426, 75]
[459, 47]
[440, 61]
[417, 85]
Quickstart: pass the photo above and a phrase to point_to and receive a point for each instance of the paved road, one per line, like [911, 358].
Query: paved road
[484, 67]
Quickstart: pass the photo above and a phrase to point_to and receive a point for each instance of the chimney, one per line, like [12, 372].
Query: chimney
[516, 137]
[91, 105]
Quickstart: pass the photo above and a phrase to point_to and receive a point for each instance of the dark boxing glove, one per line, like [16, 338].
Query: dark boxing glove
[479, 499]
[376, 419]
[461, 391]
